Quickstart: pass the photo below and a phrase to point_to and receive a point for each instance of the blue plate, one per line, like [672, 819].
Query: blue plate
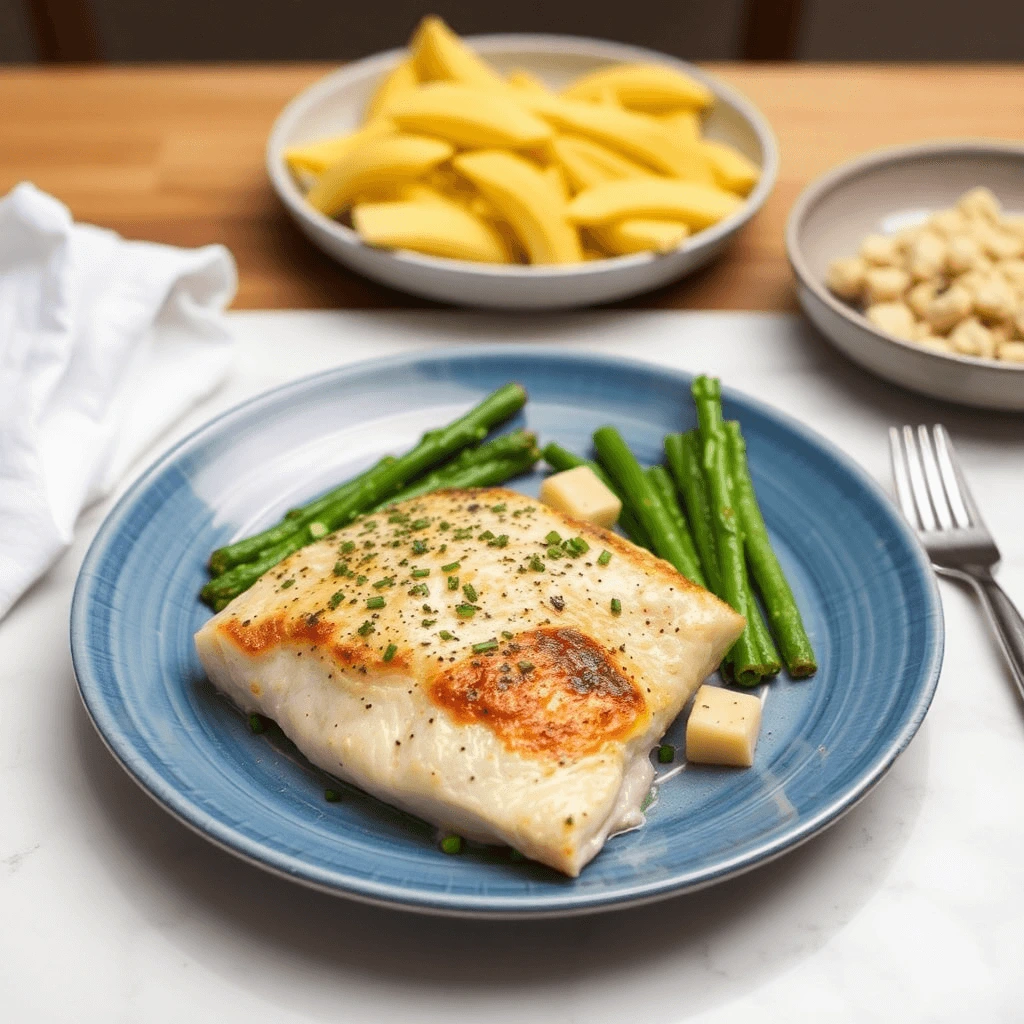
[868, 597]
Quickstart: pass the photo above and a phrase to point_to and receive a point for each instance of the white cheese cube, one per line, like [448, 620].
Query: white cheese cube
[723, 727]
[578, 492]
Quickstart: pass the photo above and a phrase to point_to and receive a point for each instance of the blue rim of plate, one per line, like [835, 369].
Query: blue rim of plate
[92, 662]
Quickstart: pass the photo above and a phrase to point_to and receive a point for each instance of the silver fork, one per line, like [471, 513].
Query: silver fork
[937, 503]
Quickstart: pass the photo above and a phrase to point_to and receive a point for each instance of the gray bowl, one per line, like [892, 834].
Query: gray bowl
[336, 104]
[882, 192]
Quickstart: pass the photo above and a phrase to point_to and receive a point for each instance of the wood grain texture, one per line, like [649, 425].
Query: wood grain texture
[175, 154]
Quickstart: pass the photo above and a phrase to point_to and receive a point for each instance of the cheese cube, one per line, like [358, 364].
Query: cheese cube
[579, 492]
[723, 727]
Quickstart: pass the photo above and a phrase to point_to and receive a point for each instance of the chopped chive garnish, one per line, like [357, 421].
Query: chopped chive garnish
[418, 574]
[604, 558]
[465, 611]
[419, 548]
[499, 542]
[470, 591]
[287, 584]
[666, 753]
[336, 598]
[536, 564]
[419, 524]
[506, 634]
[366, 628]
[553, 537]
[486, 535]
[450, 567]
[390, 652]
[257, 724]
[445, 635]
[499, 508]
[616, 606]
[332, 796]
[348, 547]
[485, 645]
[388, 581]
[340, 568]
[452, 845]
[427, 623]
[360, 580]
[576, 546]
[420, 590]
[554, 552]
[444, 525]
[453, 582]
[525, 666]
[375, 602]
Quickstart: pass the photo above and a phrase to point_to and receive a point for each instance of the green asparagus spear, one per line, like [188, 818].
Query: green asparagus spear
[377, 483]
[376, 486]
[482, 473]
[748, 663]
[771, 581]
[662, 482]
[513, 445]
[643, 499]
[250, 548]
[683, 452]
[560, 458]
[219, 591]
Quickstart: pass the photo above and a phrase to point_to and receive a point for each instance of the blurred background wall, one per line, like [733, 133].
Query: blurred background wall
[164, 30]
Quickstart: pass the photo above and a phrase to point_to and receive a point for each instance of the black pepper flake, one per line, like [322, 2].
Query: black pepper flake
[558, 603]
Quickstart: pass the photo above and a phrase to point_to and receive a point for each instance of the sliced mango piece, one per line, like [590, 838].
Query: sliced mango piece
[439, 55]
[527, 200]
[695, 205]
[732, 170]
[654, 88]
[431, 225]
[391, 159]
[467, 117]
[401, 79]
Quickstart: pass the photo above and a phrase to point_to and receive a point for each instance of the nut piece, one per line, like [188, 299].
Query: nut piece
[880, 250]
[964, 253]
[884, 284]
[972, 338]
[980, 202]
[845, 277]
[948, 222]
[1012, 351]
[1013, 271]
[1000, 245]
[927, 256]
[919, 298]
[949, 308]
[893, 318]
[994, 299]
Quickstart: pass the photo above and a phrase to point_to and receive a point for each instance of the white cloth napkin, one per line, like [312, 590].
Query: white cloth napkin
[104, 343]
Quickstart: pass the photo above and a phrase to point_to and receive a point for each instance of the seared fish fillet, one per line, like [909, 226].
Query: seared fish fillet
[455, 658]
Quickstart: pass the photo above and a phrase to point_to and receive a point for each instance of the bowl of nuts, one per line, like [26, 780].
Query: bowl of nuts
[911, 262]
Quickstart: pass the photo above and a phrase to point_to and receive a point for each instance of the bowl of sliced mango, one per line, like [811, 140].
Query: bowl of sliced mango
[521, 171]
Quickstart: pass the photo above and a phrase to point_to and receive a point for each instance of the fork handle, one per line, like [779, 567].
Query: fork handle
[1003, 615]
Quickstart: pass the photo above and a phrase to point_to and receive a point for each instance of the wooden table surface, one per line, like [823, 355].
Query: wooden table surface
[175, 154]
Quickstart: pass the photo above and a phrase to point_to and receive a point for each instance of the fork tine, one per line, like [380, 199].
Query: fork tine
[917, 482]
[960, 499]
[934, 479]
[901, 479]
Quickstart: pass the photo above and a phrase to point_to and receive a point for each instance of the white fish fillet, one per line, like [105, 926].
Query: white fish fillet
[541, 739]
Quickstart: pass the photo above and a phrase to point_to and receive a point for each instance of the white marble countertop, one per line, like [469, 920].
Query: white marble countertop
[910, 908]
